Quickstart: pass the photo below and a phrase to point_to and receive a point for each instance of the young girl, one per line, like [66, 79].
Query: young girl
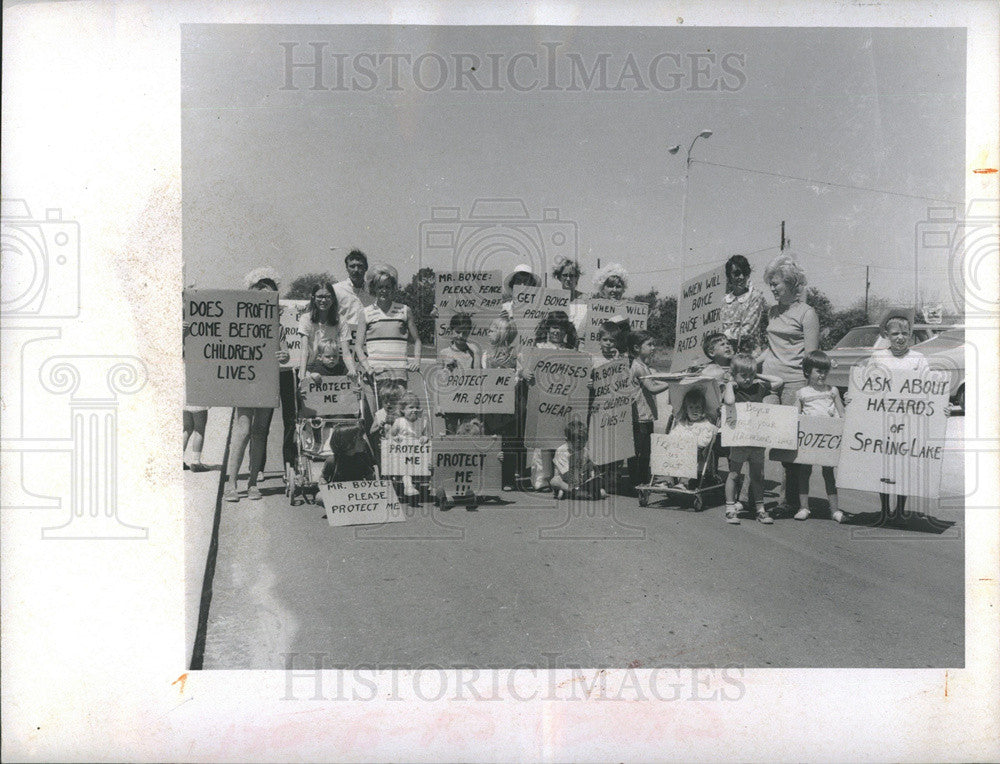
[575, 476]
[644, 413]
[745, 386]
[613, 341]
[409, 424]
[818, 398]
[554, 332]
[696, 420]
[458, 355]
[502, 354]
[389, 397]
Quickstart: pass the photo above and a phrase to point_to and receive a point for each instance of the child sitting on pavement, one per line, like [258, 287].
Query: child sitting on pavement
[574, 475]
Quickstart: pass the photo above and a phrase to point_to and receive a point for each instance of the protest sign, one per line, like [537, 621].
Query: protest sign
[230, 347]
[600, 310]
[894, 431]
[699, 311]
[610, 435]
[819, 442]
[531, 305]
[289, 312]
[560, 391]
[674, 454]
[360, 502]
[766, 425]
[330, 396]
[473, 292]
[466, 465]
[472, 391]
[405, 456]
[478, 339]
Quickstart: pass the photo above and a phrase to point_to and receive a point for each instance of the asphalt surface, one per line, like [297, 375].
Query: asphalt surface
[543, 583]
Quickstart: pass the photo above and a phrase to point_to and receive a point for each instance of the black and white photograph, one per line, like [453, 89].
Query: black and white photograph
[453, 384]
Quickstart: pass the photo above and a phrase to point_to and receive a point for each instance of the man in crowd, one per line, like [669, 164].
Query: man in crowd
[352, 296]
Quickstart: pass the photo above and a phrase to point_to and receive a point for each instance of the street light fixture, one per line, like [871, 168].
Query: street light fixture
[687, 176]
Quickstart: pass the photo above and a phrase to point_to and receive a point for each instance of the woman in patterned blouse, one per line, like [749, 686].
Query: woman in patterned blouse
[744, 309]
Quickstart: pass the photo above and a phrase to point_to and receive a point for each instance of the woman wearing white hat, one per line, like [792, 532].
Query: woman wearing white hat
[522, 275]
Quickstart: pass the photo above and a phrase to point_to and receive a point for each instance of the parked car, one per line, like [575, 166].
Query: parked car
[946, 351]
[857, 345]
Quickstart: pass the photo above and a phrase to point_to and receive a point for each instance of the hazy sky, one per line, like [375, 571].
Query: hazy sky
[279, 176]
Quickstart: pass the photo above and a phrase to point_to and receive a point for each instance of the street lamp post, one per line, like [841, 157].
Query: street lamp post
[687, 177]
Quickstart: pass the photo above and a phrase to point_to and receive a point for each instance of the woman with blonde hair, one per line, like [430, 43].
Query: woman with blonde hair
[792, 332]
[611, 281]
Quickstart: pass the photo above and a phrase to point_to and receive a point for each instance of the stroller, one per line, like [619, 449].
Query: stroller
[331, 437]
[704, 485]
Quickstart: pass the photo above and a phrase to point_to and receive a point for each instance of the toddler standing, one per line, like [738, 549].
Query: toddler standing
[818, 398]
[641, 348]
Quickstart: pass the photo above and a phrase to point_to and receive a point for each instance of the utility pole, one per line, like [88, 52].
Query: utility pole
[784, 242]
[867, 284]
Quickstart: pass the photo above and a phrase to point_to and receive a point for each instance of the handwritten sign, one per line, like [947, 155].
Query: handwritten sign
[894, 431]
[531, 305]
[330, 396]
[818, 442]
[600, 310]
[560, 392]
[468, 292]
[289, 312]
[478, 337]
[405, 456]
[466, 465]
[699, 311]
[765, 425]
[230, 347]
[674, 454]
[360, 502]
[610, 435]
[462, 391]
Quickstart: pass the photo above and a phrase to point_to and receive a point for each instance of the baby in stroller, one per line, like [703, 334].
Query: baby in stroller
[695, 419]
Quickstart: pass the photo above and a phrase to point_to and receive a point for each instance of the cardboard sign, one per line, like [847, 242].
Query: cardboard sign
[405, 456]
[361, 502]
[531, 305]
[894, 431]
[699, 311]
[478, 338]
[289, 312]
[610, 435]
[819, 442]
[230, 347]
[331, 396]
[463, 391]
[466, 465]
[674, 454]
[766, 425]
[560, 391]
[709, 386]
[473, 292]
[600, 310]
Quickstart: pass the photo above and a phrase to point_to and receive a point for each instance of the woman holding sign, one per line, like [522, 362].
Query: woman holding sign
[611, 281]
[792, 332]
[743, 311]
[252, 424]
[567, 272]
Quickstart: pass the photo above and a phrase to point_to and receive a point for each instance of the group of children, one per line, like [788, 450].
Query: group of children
[569, 471]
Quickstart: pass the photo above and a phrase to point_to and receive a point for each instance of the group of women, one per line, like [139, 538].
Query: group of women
[778, 336]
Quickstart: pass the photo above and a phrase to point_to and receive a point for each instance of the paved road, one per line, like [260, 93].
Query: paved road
[658, 586]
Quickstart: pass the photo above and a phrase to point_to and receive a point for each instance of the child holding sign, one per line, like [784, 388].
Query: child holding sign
[410, 424]
[695, 420]
[818, 398]
[574, 474]
[644, 413]
[745, 386]
[458, 355]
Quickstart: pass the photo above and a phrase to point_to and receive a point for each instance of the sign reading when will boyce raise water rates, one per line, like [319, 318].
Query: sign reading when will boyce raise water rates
[699, 311]
[230, 347]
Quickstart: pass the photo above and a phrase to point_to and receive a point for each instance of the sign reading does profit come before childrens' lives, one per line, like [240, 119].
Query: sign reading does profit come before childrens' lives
[610, 436]
[230, 347]
[464, 465]
[559, 392]
[819, 442]
[472, 391]
[699, 311]
[894, 431]
[764, 425]
[361, 502]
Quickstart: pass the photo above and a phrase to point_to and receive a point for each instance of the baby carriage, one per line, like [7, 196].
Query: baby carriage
[683, 473]
[331, 437]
